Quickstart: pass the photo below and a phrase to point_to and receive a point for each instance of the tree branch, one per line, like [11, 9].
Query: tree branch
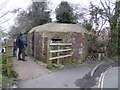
[105, 9]
[3, 5]
[4, 14]
[108, 7]
[103, 22]
[5, 21]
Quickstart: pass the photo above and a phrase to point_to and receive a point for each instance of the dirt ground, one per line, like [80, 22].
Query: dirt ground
[29, 69]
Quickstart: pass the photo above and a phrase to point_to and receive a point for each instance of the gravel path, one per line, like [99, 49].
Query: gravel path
[29, 69]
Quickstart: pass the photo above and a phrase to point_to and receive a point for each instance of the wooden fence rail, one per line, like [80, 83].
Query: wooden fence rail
[59, 50]
[8, 54]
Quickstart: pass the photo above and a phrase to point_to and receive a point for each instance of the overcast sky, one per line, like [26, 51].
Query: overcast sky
[12, 4]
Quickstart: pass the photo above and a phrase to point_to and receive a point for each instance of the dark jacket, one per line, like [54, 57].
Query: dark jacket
[15, 46]
[19, 42]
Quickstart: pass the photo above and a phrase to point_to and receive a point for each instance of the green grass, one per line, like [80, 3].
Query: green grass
[72, 63]
[67, 63]
[0, 69]
[53, 68]
[115, 58]
[0, 58]
[0, 78]
[4, 79]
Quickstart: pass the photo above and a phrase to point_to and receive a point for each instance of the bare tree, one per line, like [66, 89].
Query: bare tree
[3, 12]
[107, 12]
[36, 14]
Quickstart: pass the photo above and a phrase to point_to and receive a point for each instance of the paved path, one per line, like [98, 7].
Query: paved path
[35, 75]
[29, 69]
[59, 79]
[111, 78]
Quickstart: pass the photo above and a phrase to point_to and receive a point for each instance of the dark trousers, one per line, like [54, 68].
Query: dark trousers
[21, 53]
[14, 52]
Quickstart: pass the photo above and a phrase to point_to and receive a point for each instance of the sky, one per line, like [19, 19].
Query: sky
[9, 6]
[13, 4]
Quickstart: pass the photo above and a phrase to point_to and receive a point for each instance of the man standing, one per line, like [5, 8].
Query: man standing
[21, 45]
[14, 48]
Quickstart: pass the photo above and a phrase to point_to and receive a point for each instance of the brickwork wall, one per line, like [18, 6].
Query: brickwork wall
[78, 41]
[77, 46]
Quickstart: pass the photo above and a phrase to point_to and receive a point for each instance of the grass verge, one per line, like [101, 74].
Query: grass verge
[72, 63]
[53, 68]
[4, 79]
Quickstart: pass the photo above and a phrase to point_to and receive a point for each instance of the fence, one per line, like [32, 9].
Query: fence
[57, 52]
[8, 55]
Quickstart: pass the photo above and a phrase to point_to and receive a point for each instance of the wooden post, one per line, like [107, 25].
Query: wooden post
[49, 62]
[58, 54]
[9, 50]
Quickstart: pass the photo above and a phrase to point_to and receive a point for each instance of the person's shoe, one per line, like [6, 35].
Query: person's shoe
[19, 59]
[24, 60]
